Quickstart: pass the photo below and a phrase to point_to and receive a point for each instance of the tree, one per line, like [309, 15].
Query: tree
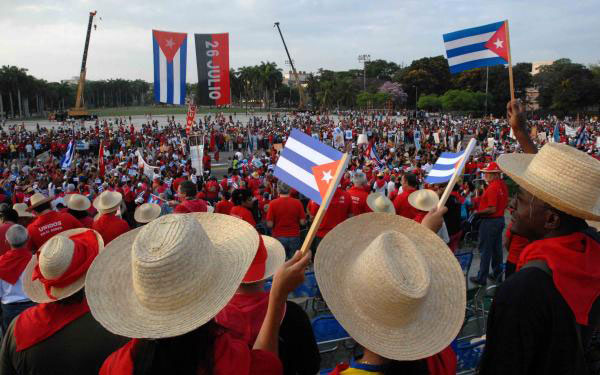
[429, 102]
[381, 69]
[429, 75]
[462, 100]
[394, 89]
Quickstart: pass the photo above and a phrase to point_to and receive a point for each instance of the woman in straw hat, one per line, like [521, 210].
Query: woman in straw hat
[78, 205]
[297, 346]
[424, 201]
[175, 275]
[36, 340]
[542, 316]
[396, 289]
[108, 224]
[146, 212]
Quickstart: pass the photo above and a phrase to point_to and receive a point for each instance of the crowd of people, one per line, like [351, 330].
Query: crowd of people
[139, 259]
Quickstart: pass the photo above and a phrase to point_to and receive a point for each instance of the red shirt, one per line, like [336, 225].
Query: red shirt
[286, 213]
[403, 208]
[223, 207]
[110, 227]
[194, 205]
[359, 200]
[50, 224]
[243, 213]
[496, 195]
[339, 210]
[212, 189]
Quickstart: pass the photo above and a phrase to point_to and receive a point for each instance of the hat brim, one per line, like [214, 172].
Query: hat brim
[111, 295]
[371, 203]
[45, 200]
[412, 200]
[86, 203]
[35, 289]
[275, 257]
[442, 310]
[153, 214]
[516, 166]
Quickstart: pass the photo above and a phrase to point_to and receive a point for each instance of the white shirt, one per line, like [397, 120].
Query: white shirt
[12, 293]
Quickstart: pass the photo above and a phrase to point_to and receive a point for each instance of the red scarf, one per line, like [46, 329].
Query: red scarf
[575, 264]
[86, 249]
[12, 264]
[42, 321]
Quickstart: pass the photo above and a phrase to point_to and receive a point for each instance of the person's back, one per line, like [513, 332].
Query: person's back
[110, 226]
[286, 213]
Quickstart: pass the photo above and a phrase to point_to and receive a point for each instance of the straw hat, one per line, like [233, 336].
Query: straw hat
[108, 201]
[54, 258]
[424, 200]
[594, 224]
[146, 212]
[171, 276]
[380, 203]
[77, 202]
[392, 284]
[275, 256]
[37, 199]
[560, 175]
[21, 209]
[491, 168]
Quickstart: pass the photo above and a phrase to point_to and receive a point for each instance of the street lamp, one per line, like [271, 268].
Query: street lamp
[364, 59]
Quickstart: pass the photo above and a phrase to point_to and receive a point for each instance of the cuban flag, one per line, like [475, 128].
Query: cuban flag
[582, 136]
[445, 167]
[170, 56]
[308, 165]
[372, 154]
[154, 199]
[477, 47]
[67, 159]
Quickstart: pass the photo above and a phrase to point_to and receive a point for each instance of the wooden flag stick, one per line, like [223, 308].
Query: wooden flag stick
[457, 174]
[510, 70]
[324, 204]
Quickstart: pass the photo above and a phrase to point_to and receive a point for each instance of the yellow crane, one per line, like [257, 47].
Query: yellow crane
[302, 94]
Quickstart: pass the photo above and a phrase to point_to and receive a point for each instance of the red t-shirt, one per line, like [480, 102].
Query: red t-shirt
[194, 205]
[110, 227]
[496, 195]
[49, 224]
[223, 207]
[243, 213]
[286, 213]
[359, 200]
[403, 208]
[339, 210]
[212, 189]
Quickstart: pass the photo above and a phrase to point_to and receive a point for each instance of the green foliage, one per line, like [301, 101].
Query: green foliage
[427, 75]
[463, 100]
[429, 102]
[372, 100]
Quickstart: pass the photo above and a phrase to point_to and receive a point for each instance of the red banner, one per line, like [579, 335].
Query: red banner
[212, 58]
[101, 160]
[191, 117]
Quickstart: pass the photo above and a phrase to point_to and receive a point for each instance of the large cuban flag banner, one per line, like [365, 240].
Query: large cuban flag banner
[170, 55]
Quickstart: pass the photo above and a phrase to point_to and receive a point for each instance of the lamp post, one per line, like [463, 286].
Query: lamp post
[364, 59]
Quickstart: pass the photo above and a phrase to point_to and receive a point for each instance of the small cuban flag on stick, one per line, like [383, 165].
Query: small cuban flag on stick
[312, 168]
[67, 159]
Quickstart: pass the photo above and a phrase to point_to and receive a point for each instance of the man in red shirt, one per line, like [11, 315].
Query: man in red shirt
[212, 190]
[339, 210]
[225, 205]
[187, 193]
[491, 210]
[109, 225]
[284, 216]
[403, 208]
[358, 193]
[49, 222]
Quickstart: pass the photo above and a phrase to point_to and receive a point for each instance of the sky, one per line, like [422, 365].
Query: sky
[47, 37]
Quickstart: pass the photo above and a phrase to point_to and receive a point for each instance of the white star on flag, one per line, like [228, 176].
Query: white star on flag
[327, 176]
[499, 43]
[170, 43]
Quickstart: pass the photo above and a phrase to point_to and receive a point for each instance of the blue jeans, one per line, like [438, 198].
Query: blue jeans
[490, 247]
[290, 244]
[12, 310]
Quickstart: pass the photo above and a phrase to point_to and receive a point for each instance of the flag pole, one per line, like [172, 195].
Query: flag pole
[457, 174]
[510, 70]
[312, 231]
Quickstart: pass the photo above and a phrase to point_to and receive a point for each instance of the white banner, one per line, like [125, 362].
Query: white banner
[436, 138]
[148, 169]
[196, 154]
[570, 132]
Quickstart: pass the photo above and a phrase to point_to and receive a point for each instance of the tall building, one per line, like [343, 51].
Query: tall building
[290, 80]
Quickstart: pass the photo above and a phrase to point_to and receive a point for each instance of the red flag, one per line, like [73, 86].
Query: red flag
[101, 160]
[191, 117]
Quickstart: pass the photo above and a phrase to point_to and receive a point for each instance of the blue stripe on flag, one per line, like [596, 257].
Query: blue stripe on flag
[442, 167]
[297, 184]
[156, 70]
[465, 49]
[297, 159]
[315, 145]
[182, 70]
[170, 82]
[472, 31]
[437, 180]
[477, 64]
[452, 155]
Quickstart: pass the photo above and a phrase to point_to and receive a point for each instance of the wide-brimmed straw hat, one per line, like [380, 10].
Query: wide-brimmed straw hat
[146, 212]
[275, 257]
[380, 203]
[170, 276]
[423, 200]
[594, 224]
[37, 199]
[21, 209]
[392, 284]
[560, 175]
[492, 168]
[77, 202]
[108, 201]
[54, 259]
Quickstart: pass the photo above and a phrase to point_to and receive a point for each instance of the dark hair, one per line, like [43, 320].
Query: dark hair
[188, 188]
[240, 195]
[411, 179]
[418, 367]
[226, 195]
[73, 299]
[78, 214]
[42, 207]
[190, 353]
[7, 213]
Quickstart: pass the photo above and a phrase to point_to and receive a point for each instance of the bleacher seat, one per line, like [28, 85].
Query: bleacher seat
[468, 354]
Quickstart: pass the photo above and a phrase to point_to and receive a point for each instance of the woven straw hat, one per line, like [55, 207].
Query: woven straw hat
[594, 224]
[560, 175]
[108, 201]
[37, 199]
[380, 203]
[424, 200]
[275, 256]
[54, 259]
[146, 212]
[392, 284]
[77, 202]
[170, 276]
[21, 209]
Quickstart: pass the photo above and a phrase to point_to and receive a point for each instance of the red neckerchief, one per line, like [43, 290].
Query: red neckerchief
[12, 264]
[575, 263]
[42, 321]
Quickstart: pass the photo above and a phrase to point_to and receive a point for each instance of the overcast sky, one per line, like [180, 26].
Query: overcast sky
[47, 37]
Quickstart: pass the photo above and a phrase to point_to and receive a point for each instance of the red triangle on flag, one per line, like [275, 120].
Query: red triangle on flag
[498, 43]
[325, 175]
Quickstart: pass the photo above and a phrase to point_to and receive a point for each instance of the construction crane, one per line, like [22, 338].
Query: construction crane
[302, 104]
